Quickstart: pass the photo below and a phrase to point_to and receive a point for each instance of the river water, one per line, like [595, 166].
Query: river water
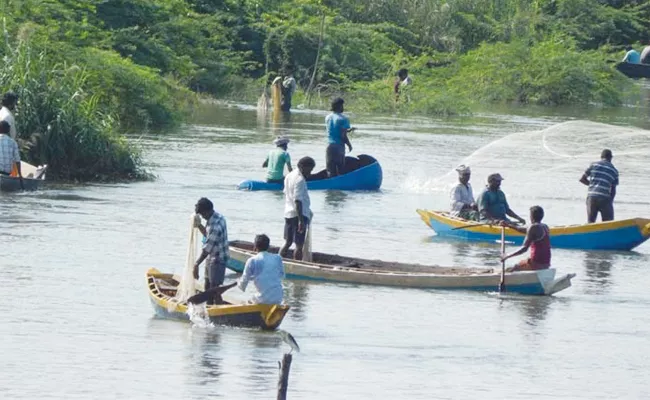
[76, 321]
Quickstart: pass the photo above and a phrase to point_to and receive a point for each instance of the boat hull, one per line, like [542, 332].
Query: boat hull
[12, 184]
[613, 235]
[634, 70]
[541, 282]
[264, 316]
[368, 177]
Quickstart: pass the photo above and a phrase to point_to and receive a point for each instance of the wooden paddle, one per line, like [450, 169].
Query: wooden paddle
[212, 293]
[502, 284]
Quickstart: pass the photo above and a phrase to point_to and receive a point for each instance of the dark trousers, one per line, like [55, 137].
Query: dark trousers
[215, 272]
[602, 205]
[335, 159]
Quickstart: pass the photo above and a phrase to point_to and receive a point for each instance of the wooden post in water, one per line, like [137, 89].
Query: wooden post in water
[283, 382]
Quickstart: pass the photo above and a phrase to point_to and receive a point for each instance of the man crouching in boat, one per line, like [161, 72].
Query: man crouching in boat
[297, 212]
[215, 248]
[266, 271]
[537, 239]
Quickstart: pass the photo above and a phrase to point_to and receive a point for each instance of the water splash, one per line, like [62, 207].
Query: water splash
[198, 314]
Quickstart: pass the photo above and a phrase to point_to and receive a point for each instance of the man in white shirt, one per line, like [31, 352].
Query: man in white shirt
[266, 271]
[462, 197]
[297, 212]
[9, 101]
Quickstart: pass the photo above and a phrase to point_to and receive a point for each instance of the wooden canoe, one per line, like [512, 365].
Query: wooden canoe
[335, 268]
[162, 289]
[623, 234]
[32, 179]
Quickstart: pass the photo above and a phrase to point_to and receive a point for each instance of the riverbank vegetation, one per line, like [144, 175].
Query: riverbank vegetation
[88, 70]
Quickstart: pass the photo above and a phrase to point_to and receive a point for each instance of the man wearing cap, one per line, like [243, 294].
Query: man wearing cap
[297, 207]
[9, 101]
[462, 197]
[276, 160]
[492, 203]
[338, 127]
[215, 248]
[602, 179]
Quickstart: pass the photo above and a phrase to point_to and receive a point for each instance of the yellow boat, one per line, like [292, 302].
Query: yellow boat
[162, 289]
[624, 234]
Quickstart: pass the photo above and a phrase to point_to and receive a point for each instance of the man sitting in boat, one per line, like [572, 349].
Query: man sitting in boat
[492, 203]
[537, 239]
[276, 160]
[266, 271]
[631, 56]
[462, 197]
[9, 154]
[338, 127]
[297, 211]
[215, 248]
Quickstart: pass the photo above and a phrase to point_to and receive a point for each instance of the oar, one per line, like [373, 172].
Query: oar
[502, 284]
[211, 293]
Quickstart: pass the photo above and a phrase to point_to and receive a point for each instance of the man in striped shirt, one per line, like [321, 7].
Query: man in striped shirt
[602, 179]
[215, 248]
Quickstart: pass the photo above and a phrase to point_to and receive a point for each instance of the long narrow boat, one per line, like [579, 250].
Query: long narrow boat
[32, 179]
[162, 289]
[623, 234]
[368, 177]
[335, 268]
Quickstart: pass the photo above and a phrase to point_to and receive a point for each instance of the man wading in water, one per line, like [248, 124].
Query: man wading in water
[215, 248]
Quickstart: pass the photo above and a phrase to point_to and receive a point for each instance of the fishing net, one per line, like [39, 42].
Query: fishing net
[187, 285]
[553, 159]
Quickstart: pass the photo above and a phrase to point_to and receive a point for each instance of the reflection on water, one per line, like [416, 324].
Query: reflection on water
[206, 360]
[534, 309]
[335, 199]
[598, 266]
[296, 295]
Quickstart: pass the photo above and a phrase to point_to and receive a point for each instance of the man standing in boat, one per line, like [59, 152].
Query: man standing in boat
[276, 160]
[266, 271]
[602, 179]
[297, 207]
[215, 248]
[9, 102]
[462, 197]
[537, 239]
[492, 203]
[338, 127]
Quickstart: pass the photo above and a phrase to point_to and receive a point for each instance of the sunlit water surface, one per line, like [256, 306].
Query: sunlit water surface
[76, 321]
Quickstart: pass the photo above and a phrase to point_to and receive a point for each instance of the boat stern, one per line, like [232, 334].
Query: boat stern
[552, 285]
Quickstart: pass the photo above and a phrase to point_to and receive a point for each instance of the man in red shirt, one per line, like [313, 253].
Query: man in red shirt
[537, 239]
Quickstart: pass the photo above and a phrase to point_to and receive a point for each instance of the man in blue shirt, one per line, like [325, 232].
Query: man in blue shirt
[492, 203]
[632, 56]
[602, 179]
[338, 127]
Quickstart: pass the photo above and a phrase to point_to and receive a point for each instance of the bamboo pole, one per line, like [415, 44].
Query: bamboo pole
[283, 381]
[313, 74]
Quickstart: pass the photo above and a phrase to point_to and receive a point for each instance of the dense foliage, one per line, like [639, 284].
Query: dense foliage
[106, 66]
